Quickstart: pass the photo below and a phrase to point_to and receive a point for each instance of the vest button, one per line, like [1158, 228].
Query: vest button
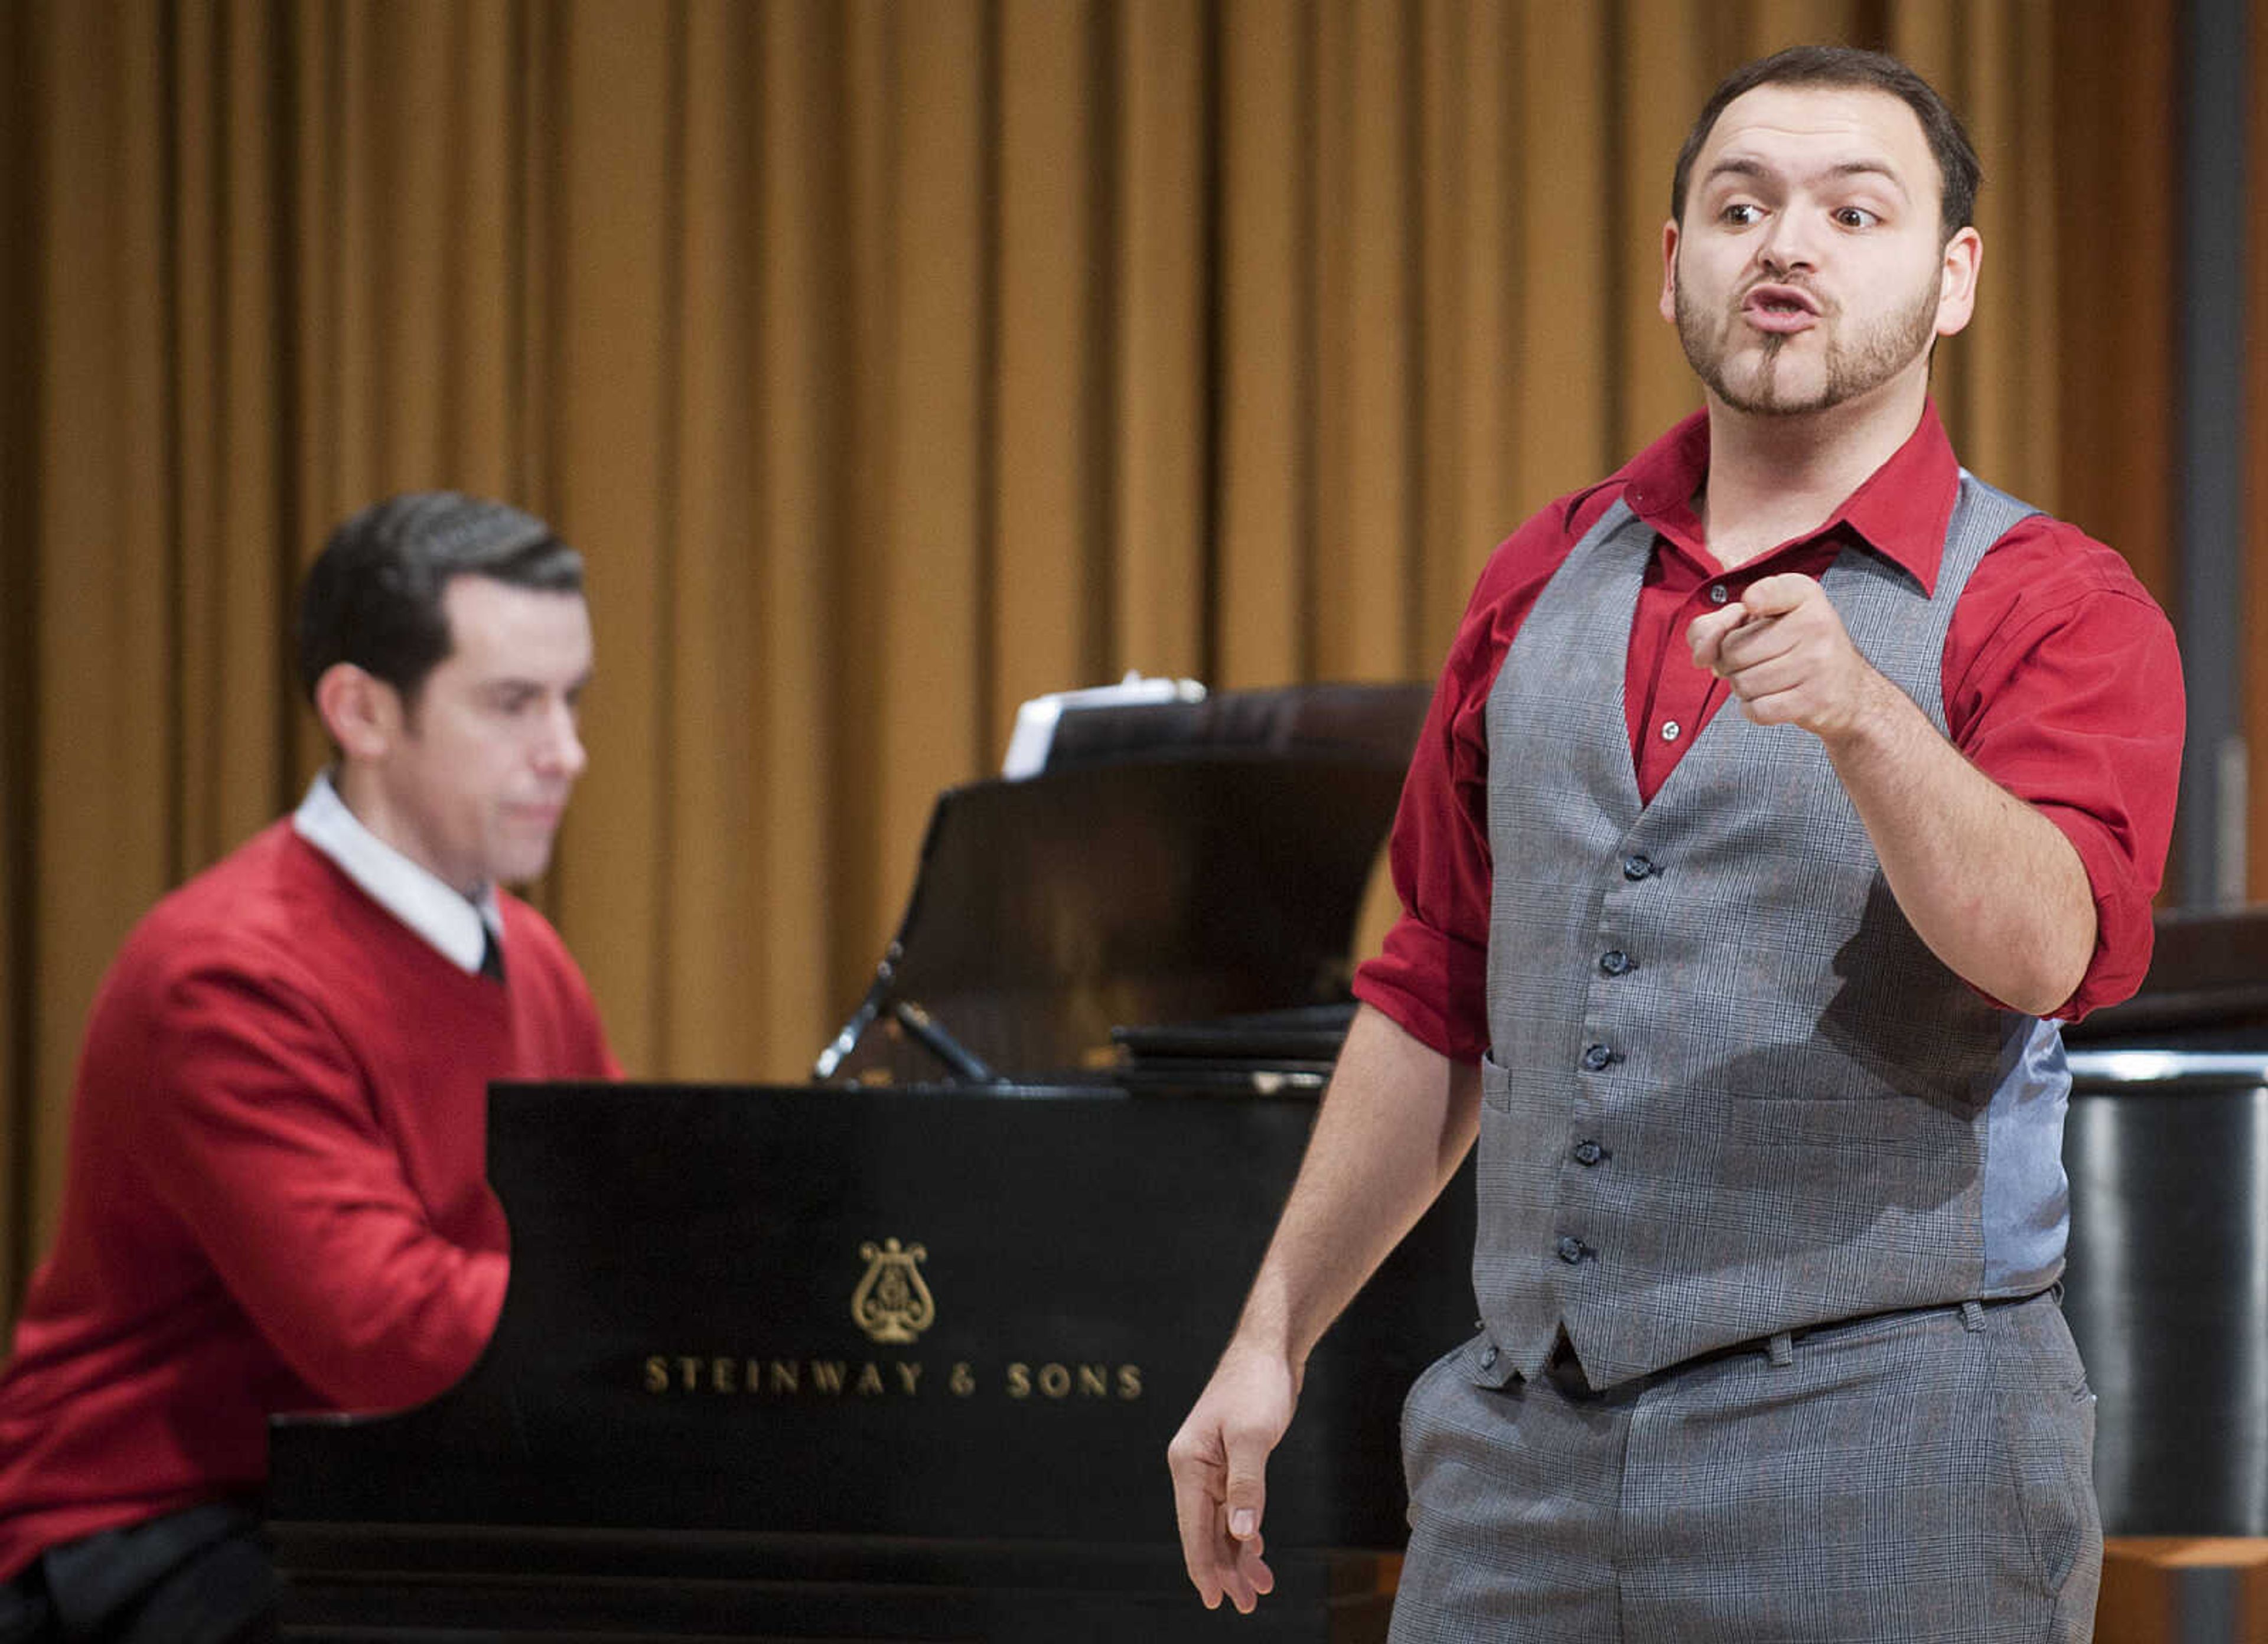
[1636, 868]
[1718, 593]
[1569, 1248]
[1488, 1360]
[1597, 1057]
[1588, 1152]
[1615, 962]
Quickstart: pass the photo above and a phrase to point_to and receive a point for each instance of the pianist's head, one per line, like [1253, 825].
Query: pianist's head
[445, 644]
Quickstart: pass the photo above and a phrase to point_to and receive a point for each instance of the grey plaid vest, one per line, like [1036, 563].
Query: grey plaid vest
[1730, 1092]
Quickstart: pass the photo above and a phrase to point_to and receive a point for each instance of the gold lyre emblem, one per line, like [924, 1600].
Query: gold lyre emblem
[892, 1304]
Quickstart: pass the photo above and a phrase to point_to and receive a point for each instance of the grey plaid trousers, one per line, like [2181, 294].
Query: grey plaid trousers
[1919, 1476]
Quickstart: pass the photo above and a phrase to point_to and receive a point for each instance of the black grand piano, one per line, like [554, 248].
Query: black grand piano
[895, 1355]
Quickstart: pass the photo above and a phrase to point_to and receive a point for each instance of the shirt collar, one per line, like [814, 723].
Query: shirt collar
[458, 926]
[1901, 509]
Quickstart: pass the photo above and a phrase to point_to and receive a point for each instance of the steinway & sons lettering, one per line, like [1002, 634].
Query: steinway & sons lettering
[893, 1304]
[696, 1375]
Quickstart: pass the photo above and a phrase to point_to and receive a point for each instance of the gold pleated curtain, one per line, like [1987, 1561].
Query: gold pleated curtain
[891, 361]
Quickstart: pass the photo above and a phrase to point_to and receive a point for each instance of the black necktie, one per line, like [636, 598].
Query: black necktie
[492, 954]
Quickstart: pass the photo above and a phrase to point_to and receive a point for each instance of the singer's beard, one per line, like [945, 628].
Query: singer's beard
[1756, 377]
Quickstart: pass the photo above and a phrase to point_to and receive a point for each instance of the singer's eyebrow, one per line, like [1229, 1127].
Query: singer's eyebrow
[1750, 167]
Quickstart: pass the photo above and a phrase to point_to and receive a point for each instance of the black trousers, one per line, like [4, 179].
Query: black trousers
[200, 1576]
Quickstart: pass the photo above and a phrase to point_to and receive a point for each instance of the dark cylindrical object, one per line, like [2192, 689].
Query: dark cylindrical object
[2167, 1290]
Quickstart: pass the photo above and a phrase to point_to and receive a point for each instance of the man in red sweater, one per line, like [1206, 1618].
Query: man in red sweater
[276, 1195]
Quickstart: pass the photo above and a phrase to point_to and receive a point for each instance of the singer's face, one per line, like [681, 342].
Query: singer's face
[1809, 271]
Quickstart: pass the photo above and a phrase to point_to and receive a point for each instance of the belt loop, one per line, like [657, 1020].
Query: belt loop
[1972, 1317]
[1780, 1349]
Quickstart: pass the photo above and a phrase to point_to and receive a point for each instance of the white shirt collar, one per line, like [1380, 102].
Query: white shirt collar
[412, 894]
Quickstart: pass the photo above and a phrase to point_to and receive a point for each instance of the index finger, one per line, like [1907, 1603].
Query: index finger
[1707, 635]
[1780, 593]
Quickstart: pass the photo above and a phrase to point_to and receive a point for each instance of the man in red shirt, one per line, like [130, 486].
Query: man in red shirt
[276, 1195]
[1780, 795]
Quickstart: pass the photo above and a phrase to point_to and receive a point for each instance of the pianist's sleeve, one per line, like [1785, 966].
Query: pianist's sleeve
[266, 1141]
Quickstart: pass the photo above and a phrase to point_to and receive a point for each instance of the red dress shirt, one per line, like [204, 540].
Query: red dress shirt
[2062, 683]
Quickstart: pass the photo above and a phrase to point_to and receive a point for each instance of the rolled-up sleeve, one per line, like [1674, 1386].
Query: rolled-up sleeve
[2064, 685]
[1431, 975]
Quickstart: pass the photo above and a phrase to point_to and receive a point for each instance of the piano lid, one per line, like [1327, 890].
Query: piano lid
[1173, 863]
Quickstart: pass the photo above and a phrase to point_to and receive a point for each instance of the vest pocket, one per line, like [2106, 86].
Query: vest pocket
[1806, 1121]
[1496, 1083]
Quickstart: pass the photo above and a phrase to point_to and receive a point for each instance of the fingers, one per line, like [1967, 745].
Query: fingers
[1784, 652]
[1771, 620]
[1247, 1500]
[1256, 1579]
[1739, 639]
[1247, 1484]
[1753, 679]
[1707, 634]
[1216, 1506]
[1199, 1488]
[1777, 596]
[1219, 1463]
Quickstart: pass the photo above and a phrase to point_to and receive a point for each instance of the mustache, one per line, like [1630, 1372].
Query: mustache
[1791, 282]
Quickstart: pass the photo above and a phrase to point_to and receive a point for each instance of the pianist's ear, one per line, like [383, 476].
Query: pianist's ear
[362, 713]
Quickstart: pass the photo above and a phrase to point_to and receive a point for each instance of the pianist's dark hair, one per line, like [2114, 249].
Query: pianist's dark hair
[373, 595]
[1959, 175]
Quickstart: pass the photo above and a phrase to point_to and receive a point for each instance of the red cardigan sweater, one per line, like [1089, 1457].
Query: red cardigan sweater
[276, 1195]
